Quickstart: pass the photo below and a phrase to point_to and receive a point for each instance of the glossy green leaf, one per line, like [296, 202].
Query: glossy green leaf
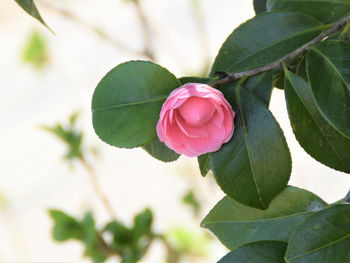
[323, 237]
[204, 164]
[30, 7]
[326, 144]
[65, 226]
[127, 102]
[255, 165]
[264, 39]
[328, 68]
[325, 11]
[185, 80]
[235, 224]
[160, 151]
[261, 85]
[259, 6]
[262, 252]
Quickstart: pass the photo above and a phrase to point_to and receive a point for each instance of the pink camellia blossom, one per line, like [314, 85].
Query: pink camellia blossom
[195, 119]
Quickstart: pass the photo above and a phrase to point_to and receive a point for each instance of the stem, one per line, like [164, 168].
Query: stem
[100, 33]
[107, 248]
[202, 35]
[97, 187]
[146, 31]
[286, 58]
[173, 256]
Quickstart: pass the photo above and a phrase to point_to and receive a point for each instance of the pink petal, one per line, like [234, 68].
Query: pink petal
[182, 149]
[195, 119]
[196, 111]
[190, 131]
[218, 117]
[228, 124]
[201, 145]
[216, 133]
[173, 134]
[160, 131]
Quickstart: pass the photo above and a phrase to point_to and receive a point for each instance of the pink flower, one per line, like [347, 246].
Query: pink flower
[195, 119]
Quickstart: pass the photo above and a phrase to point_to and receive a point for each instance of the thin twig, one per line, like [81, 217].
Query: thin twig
[286, 58]
[173, 256]
[202, 35]
[97, 187]
[107, 248]
[146, 31]
[97, 31]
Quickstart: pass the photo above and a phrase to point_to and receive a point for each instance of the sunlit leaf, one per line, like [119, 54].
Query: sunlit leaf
[235, 224]
[328, 68]
[127, 102]
[255, 165]
[323, 237]
[262, 252]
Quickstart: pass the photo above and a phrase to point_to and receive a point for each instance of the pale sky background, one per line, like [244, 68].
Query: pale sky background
[32, 175]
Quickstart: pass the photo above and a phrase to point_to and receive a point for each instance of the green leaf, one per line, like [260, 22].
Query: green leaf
[65, 226]
[262, 252]
[326, 144]
[235, 224]
[93, 248]
[325, 11]
[143, 224]
[259, 6]
[323, 237]
[255, 165]
[184, 80]
[30, 7]
[122, 236]
[328, 68]
[69, 135]
[127, 102]
[160, 151]
[204, 164]
[278, 80]
[345, 34]
[264, 39]
[261, 85]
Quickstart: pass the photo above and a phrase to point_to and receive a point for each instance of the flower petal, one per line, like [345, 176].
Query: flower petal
[196, 111]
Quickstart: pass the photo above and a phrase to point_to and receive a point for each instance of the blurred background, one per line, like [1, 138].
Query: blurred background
[45, 79]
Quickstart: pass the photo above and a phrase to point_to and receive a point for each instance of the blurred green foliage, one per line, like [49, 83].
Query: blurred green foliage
[3, 201]
[191, 200]
[133, 241]
[129, 243]
[70, 135]
[188, 243]
[35, 51]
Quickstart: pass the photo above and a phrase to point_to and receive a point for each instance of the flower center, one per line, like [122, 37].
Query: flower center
[197, 111]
